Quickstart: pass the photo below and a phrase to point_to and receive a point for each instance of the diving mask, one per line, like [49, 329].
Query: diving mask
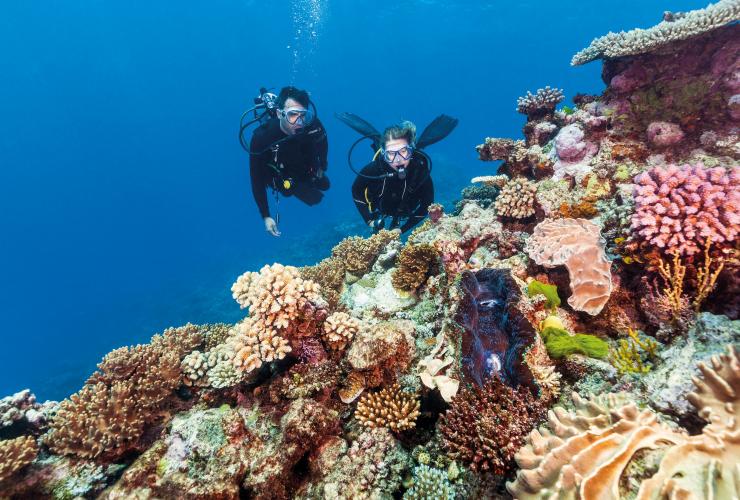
[404, 154]
[293, 115]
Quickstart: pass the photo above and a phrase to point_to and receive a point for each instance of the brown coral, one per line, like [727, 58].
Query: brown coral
[415, 264]
[485, 427]
[516, 199]
[390, 407]
[358, 254]
[16, 454]
[383, 350]
[353, 386]
[577, 244]
[123, 398]
[339, 329]
[329, 275]
[496, 149]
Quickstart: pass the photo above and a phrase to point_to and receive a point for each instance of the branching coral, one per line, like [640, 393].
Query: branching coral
[390, 407]
[516, 199]
[125, 396]
[540, 103]
[254, 345]
[586, 452]
[329, 275]
[577, 244]
[496, 149]
[21, 407]
[485, 427]
[358, 254]
[415, 264]
[632, 355]
[430, 483]
[16, 454]
[339, 329]
[639, 41]
[679, 207]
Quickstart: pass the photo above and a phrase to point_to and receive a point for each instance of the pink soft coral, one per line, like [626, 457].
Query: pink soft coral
[679, 208]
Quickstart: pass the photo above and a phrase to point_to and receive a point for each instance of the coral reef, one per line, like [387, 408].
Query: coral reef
[430, 483]
[577, 244]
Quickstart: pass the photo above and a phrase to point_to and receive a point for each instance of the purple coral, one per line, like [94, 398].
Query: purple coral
[664, 134]
[679, 208]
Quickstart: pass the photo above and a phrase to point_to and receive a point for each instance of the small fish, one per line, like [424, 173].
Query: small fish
[627, 259]
[619, 240]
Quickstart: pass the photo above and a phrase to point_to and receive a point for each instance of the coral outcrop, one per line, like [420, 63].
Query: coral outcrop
[339, 329]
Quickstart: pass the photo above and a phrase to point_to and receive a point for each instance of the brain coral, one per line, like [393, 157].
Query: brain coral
[639, 41]
[678, 208]
[577, 244]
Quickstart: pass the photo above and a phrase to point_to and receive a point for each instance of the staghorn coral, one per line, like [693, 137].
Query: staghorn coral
[516, 199]
[540, 103]
[339, 329]
[123, 398]
[358, 254]
[577, 244]
[15, 454]
[586, 452]
[484, 427]
[430, 483]
[415, 264]
[390, 407]
[639, 41]
[678, 208]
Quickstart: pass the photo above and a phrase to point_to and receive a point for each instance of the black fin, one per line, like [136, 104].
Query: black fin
[436, 131]
[358, 125]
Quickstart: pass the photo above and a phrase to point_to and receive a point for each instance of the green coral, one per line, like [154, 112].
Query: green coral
[430, 483]
[550, 292]
[633, 355]
[560, 343]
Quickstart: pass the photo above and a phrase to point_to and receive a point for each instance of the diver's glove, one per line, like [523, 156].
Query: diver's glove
[377, 224]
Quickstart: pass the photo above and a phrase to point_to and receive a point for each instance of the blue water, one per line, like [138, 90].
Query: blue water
[124, 195]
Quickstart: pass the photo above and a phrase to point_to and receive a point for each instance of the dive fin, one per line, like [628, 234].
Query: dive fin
[436, 131]
[358, 125]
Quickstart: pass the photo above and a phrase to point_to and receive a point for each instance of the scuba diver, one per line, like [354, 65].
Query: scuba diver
[287, 152]
[395, 189]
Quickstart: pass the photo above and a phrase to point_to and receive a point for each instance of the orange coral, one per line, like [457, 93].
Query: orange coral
[16, 454]
[415, 264]
[583, 210]
[353, 386]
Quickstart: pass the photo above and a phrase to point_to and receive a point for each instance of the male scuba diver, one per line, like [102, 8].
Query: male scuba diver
[287, 152]
[395, 189]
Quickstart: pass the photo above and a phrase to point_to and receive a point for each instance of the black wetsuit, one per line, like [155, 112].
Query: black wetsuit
[392, 197]
[296, 158]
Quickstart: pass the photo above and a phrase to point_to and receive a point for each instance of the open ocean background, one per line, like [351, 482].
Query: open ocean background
[125, 204]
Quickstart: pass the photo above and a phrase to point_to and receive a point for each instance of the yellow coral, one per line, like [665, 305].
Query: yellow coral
[16, 454]
[339, 329]
[415, 264]
[358, 254]
[628, 356]
[390, 407]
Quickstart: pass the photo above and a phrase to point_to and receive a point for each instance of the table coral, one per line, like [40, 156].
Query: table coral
[639, 41]
[484, 427]
[678, 208]
[390, 407]
[577, 244]
[540, 103]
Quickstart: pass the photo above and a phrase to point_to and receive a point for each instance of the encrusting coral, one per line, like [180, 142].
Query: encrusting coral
[390, 407]
[415, 264]
[516, 199]
[638, 41]
[339, 329]
[679, 208]
[125, 396]
[577, 244]
[16, 454]
[484, 427]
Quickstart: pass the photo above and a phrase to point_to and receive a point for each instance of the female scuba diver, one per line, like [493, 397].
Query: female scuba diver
[395, 189]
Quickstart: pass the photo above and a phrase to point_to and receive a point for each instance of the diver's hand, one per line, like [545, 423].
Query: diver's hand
[319, 174]
[271, 226]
